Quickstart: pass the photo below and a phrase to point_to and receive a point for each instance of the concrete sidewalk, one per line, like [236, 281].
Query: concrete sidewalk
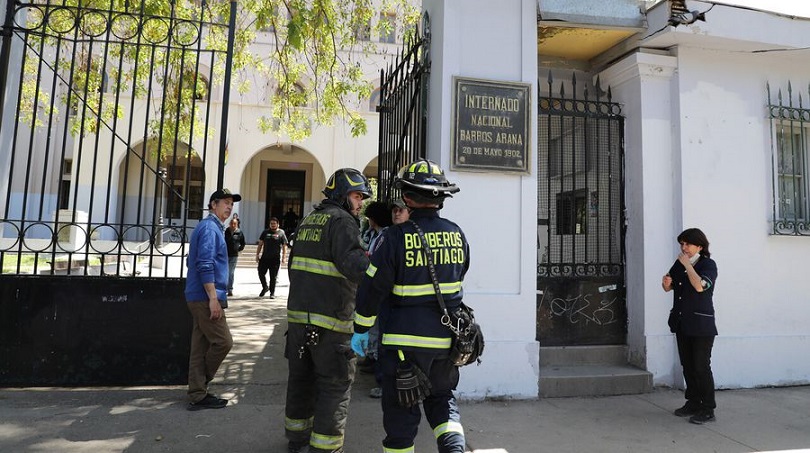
[253, 377]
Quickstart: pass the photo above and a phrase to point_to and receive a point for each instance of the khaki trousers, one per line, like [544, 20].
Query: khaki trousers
[210, 343]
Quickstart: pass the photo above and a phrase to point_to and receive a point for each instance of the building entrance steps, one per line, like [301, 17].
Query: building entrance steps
[590, 371]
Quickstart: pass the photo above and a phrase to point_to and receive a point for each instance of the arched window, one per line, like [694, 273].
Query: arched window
[374, 100]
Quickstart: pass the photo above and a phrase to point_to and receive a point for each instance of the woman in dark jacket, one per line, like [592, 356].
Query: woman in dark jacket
[692, 278]
[235, 240]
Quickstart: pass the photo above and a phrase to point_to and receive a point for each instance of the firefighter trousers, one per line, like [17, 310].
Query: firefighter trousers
[318, 388]
[401, 423]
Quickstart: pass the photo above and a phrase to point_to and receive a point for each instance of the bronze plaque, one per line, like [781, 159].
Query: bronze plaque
[491, 125]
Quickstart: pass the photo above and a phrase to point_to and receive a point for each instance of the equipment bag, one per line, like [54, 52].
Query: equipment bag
[467, 343]
[468, 340]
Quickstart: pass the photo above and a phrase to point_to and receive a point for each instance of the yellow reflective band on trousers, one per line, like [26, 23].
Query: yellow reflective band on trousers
[425, 290]
[449, 427]
[414, 341]
[371, 270]
[398, 450]
[314, 266]
[298, 425]
[317, 319]
[324, 442]
[365, 321]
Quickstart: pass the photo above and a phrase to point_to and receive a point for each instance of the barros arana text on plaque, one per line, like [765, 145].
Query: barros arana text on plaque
[491, 125]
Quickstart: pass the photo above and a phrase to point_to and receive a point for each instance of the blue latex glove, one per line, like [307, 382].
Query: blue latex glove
[360, 343]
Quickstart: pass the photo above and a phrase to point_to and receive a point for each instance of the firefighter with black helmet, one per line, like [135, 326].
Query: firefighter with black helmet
[326, 263]
[398, 288]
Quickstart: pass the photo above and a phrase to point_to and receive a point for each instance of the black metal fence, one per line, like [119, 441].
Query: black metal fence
[790, 120]
[580, 223]
[403, 109]
[108, 133]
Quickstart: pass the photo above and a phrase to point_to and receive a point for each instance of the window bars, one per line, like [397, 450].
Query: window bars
[580, 224]
[790, 151]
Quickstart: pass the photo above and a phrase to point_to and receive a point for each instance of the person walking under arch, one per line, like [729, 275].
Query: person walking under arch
[270, 253]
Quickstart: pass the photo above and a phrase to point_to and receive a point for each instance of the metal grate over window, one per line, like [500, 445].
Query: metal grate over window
[580, 226]
[790, 135]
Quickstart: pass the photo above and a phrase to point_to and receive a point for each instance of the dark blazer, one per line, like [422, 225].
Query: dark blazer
[693, 312]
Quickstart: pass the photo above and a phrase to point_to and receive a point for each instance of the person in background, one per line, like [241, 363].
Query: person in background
[289, 222]
[235, 240]
[206, 299]
[270, 253]
[379, 217]
[399, 214]
[326, 263]
[692, 278]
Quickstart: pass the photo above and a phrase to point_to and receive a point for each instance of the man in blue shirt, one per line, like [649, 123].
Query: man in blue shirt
[206, 297]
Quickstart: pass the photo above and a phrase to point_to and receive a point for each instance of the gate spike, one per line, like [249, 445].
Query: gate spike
[574, 85]
[790, 94]
[562, 90]
[609, 95]
[599, 91]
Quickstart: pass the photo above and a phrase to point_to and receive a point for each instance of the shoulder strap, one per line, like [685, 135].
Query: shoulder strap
[432, 268]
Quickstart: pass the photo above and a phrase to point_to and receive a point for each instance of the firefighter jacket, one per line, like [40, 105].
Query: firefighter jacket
[398, 285]
[326, 263]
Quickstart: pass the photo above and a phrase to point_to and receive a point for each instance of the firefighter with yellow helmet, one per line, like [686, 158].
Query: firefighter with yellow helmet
[326, 263]
[398, 287]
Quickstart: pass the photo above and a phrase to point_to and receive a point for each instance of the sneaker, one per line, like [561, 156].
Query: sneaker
[271, 296]
[264, 291]
[376, 392]
[209, 402]
[689, 409]
[702, 417]
[230, 293]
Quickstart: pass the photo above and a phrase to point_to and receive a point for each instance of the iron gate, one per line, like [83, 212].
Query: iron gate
[580, 225]
[110, 129]
[112, 138]
[403, 110]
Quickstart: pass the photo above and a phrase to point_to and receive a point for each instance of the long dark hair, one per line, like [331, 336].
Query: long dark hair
[695, 237]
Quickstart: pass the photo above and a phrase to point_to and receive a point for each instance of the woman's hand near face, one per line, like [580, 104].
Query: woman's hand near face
[684, 259]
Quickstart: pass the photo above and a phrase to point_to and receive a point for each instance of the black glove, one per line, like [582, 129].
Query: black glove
[412, 384]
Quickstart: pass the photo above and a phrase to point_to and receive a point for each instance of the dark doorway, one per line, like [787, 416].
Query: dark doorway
[285, 191]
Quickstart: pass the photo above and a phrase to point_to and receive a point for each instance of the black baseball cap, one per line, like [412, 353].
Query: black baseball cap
[224, 193]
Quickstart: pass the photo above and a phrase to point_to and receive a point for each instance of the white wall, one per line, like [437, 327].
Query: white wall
[761, 296]
[496, 211]
[698, 154]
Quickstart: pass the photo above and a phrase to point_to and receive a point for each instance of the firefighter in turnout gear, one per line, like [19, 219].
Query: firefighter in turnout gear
[398, 288]
[326, 263]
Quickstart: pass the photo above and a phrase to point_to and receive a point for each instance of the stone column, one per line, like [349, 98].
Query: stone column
[483, 39]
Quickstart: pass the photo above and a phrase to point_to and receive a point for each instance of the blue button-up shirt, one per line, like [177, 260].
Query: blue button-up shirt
[207, 261]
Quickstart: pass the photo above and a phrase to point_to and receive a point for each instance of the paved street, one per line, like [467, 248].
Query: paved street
[101, 420]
